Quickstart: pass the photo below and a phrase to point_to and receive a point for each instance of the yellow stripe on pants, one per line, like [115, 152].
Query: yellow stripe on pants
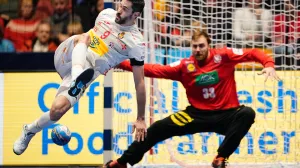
[181, 118]
[177, 122]
[185, 115]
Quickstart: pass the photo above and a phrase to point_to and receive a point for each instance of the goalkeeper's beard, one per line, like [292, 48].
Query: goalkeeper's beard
[201, 55]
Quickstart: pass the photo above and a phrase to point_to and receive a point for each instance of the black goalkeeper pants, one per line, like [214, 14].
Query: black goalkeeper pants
[233, 123]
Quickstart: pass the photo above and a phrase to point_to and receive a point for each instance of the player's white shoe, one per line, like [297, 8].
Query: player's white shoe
[22, 142]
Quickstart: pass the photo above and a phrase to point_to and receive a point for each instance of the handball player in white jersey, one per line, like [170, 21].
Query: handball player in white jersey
[82, 58]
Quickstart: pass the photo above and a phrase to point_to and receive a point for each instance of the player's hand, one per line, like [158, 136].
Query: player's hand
[141, 130]
[269, 72]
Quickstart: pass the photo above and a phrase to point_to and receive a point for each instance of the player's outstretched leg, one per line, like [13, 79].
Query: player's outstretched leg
[80, 83]
[59, 107]
[62, 103]
[67, 95]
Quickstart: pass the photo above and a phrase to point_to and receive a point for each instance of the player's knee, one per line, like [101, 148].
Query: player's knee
[248, 113]
[58, 109]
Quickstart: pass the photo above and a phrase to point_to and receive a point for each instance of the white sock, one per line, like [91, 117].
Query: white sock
[39, 124]
[76, 71]
[78, 59]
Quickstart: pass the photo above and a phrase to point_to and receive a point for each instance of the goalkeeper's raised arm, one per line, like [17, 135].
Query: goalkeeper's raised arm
[171, 71]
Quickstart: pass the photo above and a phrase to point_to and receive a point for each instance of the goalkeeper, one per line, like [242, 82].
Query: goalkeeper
[208, 77]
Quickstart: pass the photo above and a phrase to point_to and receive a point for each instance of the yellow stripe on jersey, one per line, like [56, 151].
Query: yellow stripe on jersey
[180, 118]
[177, 122]
[185, 115]
[97, 44]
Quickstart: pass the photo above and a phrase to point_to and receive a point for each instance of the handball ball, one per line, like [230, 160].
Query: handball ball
[61, 135]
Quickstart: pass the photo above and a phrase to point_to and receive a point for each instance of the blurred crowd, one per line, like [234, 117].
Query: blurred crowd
[41, 25]
[272, 25]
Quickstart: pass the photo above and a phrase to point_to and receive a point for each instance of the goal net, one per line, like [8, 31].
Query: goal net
[272, 26]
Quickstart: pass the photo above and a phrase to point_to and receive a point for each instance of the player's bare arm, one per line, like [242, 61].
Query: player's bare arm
[140, 125]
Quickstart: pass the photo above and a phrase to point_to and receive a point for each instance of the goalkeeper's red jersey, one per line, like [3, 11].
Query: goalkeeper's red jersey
[210, 85]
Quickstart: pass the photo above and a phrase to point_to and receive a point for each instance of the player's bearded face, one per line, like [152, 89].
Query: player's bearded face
[200, 48]
[125, 12]
[122, 19]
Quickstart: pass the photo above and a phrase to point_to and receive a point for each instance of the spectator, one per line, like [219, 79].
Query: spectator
[217, 16]
[191, 8]
[286, 37]
[171, 23]
[252, 25]
[159, 9]
[173, 15]
[43, 43]
[88, 10]
[185, 34]
[43, 10]
[74, 28]
[21, 31]
[60, 19]
[96, 10]
[5, 45]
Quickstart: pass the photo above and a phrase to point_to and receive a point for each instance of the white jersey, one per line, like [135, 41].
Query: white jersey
[112, 43]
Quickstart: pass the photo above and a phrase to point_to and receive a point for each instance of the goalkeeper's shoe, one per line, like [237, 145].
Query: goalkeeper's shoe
[79, 84]
[219, 162]
[22, 142]
[114, 164]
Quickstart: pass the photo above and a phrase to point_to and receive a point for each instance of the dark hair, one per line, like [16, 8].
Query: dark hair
[198, 33]
[137, 5]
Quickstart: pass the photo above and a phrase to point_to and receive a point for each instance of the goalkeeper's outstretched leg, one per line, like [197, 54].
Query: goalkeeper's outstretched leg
[157, 132]
[233, 123]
